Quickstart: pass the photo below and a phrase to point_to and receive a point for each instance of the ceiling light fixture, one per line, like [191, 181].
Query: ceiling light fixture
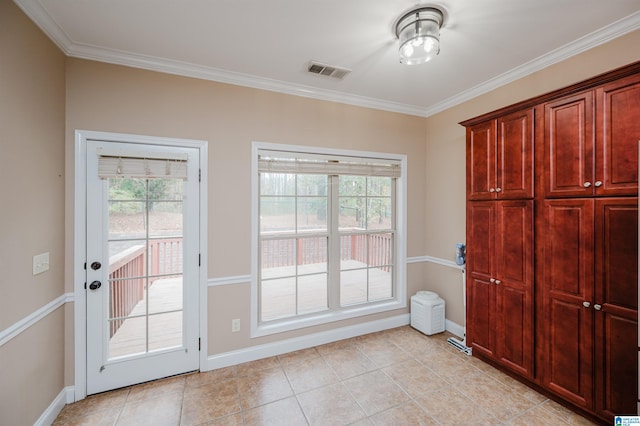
[419, 35]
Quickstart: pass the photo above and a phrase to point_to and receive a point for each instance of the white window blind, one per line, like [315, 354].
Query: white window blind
[290, 162]
[111, 165]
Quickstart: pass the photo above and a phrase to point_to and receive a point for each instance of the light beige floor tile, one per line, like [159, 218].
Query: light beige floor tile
[450, 407]
[537, 416]
[309, 375]
[209, 402]
[302, 355]
[263, 387]
[375, 392]
[414, 377]
[285, 412]
[452, 367]
[106, 417]
[330, 405]
[156, 388]
[348, 362]
[383, 352]
[93, 403]
[252, 367]
[517, 386]
[231, 420]
[409, 414]
[567, 416]
[494, 397]
[209, 377]
[340, 344]
[164, 410]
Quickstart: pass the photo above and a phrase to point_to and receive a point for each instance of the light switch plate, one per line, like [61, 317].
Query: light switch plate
[40, 263]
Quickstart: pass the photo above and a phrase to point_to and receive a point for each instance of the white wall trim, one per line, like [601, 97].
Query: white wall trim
[49, 416]
[26, 322]
[454, 328]
[310, 340]
[436, 260]
[237, 279]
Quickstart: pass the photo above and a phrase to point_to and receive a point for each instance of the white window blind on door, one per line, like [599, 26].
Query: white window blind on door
[171, 166]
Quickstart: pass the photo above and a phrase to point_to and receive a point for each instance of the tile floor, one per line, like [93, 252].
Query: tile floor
[394, 377]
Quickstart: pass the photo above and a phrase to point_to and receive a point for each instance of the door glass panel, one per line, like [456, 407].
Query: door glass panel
[145, 236]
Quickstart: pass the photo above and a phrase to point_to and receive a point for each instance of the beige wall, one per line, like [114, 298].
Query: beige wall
[32, 90]
[113, 98]
[445, 165]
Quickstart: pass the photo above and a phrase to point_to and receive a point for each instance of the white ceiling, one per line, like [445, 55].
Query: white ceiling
[268, 44]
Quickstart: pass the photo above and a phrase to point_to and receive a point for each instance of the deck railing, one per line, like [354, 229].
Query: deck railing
[308, 250]
[128, 274]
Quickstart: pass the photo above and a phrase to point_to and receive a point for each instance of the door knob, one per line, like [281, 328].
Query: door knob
[492, 280]
[598, 183]
[587, 184]
[498, 282]
[492, 190]
[586, 304]
[96, 265]
[597, 307]
[95, 285]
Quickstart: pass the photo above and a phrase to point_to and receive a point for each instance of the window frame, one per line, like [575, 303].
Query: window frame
[399, 298]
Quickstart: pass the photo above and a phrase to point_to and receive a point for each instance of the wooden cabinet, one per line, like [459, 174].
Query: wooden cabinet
[567, 285]
[500, 158]
[500, 282]
[589, 311]
[591, 141]
[552, 269]
[616, 305]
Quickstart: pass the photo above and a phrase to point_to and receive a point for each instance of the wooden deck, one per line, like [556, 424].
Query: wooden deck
[165, 321]
[279, 297]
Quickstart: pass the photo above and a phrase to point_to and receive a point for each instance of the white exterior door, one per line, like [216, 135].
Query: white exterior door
[142, 278]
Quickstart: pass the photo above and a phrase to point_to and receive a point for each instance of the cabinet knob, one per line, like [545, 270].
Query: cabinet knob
[498, 282]
[587, 184]
[492, 280]
[586, 304]
[492, 190]
[597, 307]
[498, 189]
[598, 184]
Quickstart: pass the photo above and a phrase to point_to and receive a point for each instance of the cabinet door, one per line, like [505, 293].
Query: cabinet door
[480, 267]
[514, 167]
[616, 294]
[568, 146]
[481, 161]
[567, 294]
[618, 112]
[513, 285]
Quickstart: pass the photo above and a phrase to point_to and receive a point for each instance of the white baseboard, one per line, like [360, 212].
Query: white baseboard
[454, 328]
[289, 345]
[66, 396]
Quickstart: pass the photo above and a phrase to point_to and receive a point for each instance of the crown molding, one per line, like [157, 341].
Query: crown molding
[596, 38]
[37, 13]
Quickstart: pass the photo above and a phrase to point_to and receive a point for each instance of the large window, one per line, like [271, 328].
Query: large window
[327, 235]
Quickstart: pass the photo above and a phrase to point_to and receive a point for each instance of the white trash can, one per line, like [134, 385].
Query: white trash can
[427, 312]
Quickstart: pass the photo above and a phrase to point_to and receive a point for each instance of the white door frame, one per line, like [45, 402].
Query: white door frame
[79, 239]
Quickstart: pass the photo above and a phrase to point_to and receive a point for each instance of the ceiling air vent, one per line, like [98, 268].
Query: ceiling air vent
[327, 70]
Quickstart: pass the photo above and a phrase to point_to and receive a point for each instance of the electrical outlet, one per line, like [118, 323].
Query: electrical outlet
[235, 325]
[40, 263]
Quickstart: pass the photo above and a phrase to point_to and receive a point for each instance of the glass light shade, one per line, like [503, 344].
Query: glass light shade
[419, 35]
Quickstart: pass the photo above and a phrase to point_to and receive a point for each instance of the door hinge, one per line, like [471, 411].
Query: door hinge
[199, 259]
[85, 266]
[199, 343]
[199, 175]
[85, 285]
